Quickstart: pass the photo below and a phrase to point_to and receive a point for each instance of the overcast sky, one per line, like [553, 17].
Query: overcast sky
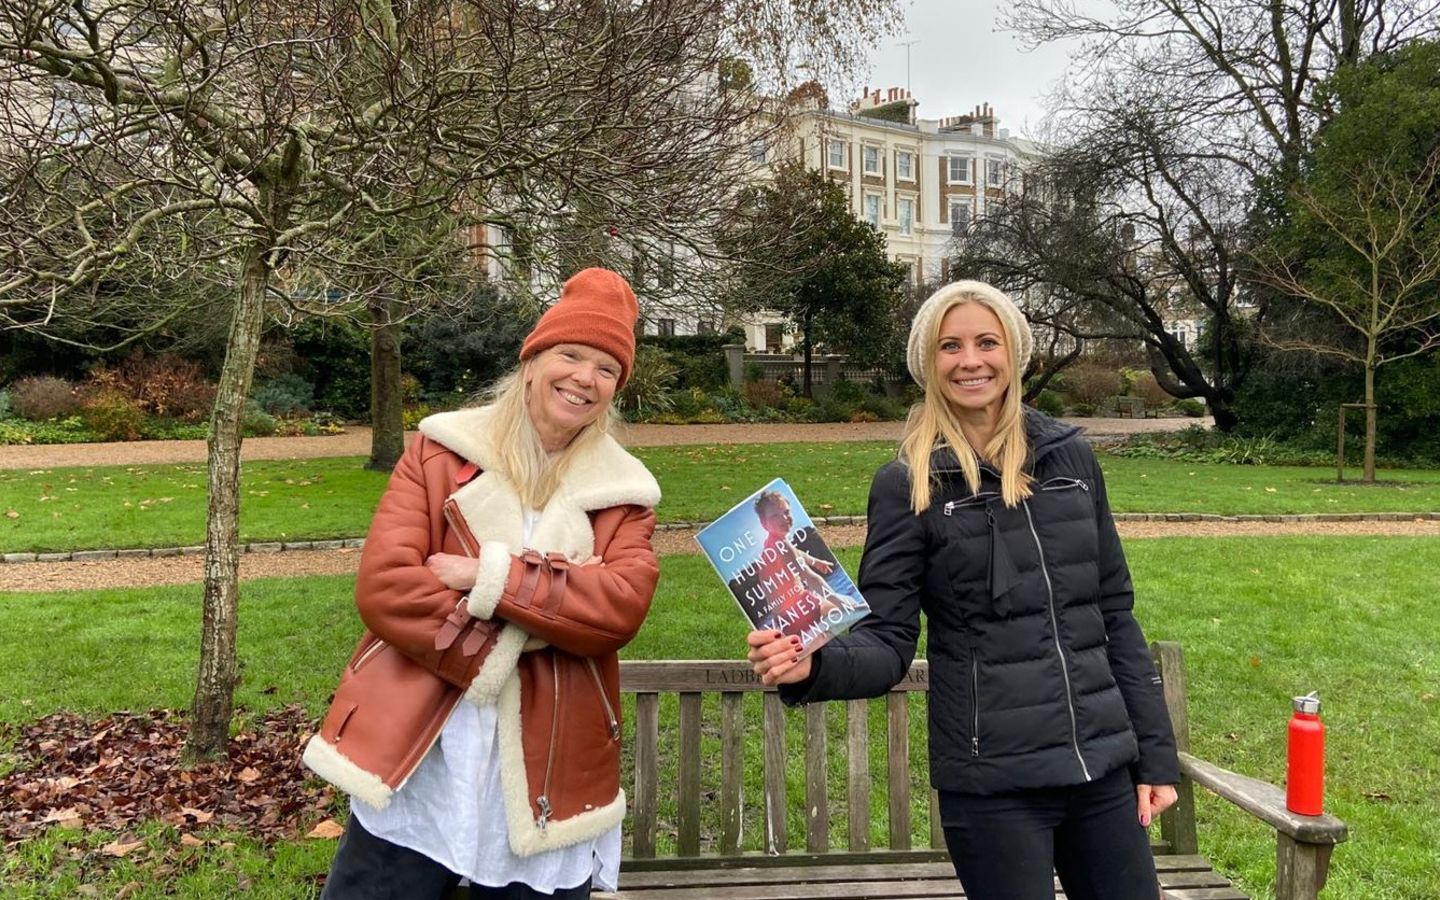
[961, 59]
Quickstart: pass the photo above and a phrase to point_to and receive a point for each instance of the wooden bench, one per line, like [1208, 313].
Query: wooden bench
[688, 834]
[1122, 408]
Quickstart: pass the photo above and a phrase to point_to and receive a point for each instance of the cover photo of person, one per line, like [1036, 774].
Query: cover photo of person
[774, 562]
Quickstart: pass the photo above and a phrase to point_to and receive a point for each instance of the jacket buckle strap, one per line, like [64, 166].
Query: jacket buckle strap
[452, 626]
[479, 633]
[559, 568]
[533, 561]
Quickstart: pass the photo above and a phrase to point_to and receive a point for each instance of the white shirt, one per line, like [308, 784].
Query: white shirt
[452, 810]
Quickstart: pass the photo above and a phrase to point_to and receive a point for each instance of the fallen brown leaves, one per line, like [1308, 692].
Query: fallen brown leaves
[125, 769]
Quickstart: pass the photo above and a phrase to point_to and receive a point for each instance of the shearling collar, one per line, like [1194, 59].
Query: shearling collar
[604, 476]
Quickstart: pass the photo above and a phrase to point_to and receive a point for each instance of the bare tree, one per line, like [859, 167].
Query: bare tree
[1175, 111]
[1381, 278]
[246, 146]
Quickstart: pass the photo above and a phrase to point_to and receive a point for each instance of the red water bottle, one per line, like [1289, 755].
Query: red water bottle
[1305, 759]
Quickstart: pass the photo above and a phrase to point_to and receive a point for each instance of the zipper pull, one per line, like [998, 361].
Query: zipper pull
[949, 507]
[544, 803]
[975, 745]
[614, 731]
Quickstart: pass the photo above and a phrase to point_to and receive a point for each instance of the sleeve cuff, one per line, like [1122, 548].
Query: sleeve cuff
[490, 579]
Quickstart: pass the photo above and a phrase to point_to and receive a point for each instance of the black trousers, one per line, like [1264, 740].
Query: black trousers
[1005, 846]
[366, 867]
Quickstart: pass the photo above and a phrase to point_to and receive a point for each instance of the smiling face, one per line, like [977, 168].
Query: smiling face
[570, 387]
[775, 517]
[972, 360]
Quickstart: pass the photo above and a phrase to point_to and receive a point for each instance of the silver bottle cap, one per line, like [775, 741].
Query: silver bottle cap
[1308, 704]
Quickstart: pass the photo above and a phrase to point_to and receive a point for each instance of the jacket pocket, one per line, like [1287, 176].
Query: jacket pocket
[364, 656]
[1064, 483]
[974, 705]
[610, 716]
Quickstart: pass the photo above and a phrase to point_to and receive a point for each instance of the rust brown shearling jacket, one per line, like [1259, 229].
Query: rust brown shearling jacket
[538, 635]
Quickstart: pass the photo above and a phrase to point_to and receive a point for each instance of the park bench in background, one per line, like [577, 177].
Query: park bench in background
[720, 862]
[1121, 408]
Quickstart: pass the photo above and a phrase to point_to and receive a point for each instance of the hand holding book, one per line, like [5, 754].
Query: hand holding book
[774, 657]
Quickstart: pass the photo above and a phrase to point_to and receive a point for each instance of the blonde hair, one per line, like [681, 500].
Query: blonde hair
[515, 444]
[932, 422]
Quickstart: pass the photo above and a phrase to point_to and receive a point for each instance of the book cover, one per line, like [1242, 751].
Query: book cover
[778, 568]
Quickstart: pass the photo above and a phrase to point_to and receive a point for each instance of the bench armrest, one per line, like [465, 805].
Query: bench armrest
[1264, 801]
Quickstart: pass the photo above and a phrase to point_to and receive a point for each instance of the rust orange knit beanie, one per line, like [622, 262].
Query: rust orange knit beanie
[596, 308]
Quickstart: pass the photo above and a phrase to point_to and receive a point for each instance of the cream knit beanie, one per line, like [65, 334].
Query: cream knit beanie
[927, 320]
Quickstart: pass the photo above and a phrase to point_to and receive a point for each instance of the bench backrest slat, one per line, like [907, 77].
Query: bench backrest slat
[817, 807]
[898, 743]
[857, 748]
[732, 770]
[774, 728]
[647, 759]
[688, 831]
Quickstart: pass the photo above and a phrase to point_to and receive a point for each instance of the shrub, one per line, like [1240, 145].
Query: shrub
[848, 392]
[651, 379]
[112, 415]
[456, 356]
[333, 355]
[257, 422]
[1191, 407]
[285, 395]
[166, 386]
[1083, 410]
[1089, 383]
[883, 408]
[765, 394]
[1049, 403]
[42, 398]
[1144, 386]
[699, 359]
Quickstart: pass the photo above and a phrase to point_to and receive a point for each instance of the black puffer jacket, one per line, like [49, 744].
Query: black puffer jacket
[1039, 674]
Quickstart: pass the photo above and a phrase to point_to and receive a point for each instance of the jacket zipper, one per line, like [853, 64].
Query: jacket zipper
[1055, 629]
[543, 801]
[609, 710]
[972, 500]
[1061, 483]
[975, 704]
[453, 519]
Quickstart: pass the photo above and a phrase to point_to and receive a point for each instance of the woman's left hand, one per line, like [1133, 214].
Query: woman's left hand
[1154, 799]
[455, 572]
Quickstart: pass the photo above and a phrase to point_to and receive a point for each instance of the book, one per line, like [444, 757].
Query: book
[779, 569]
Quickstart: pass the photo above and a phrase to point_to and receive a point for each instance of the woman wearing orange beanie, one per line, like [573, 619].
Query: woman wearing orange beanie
[477, 724]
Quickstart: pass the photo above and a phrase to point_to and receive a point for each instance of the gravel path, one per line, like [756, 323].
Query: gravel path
[185, 569]
[356, 441]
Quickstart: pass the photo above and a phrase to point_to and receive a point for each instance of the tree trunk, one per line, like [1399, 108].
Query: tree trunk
[211, 709]
[387, 408]
[807, 384]
[1369, 473]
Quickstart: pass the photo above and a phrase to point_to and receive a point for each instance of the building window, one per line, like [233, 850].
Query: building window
[640, 326]
[909, 267]
[959, 216]
[665, 327]
[837, 153]
[905, 208]
[872, 160]
[872, 209]
[665, 271]
[960, 170]
[758, 150]
[995, 172]
[1179, 336]
[905, 165]
[704, 326]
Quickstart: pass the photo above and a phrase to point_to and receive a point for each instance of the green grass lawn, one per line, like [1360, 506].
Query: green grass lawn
[1261, 619]
[158, 506]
